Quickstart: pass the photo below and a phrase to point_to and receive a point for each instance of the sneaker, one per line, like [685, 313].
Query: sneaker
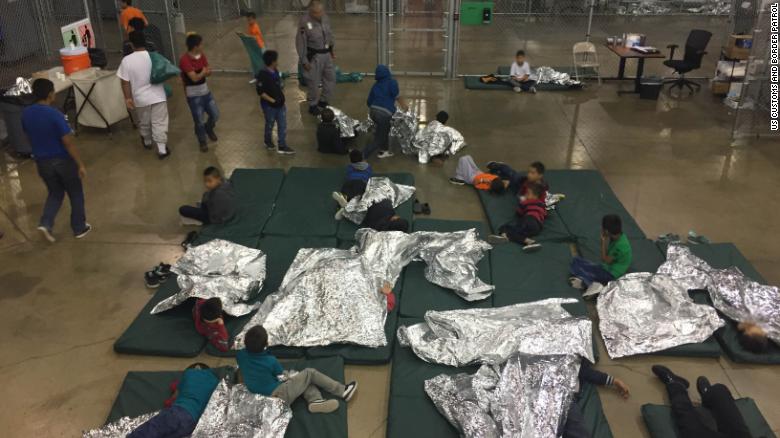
[189, 222]
[593, 290]
[340, 199]
[47, 234]
[163, 270]
[212, 136]
[385, 154]
[322, 104]
[204, 147]
[145, 144]
[497, 239]
[702, 385]
[314, 110]
[86, 231]
[667, 376]
[517, 90]
[152, 280]
[339, 214]
[270, 146]
[457, 182]
[285, 150]
[533, 90]
[350, 390]
[323, 406]
[491, 164]
[191, 236]
[165, 155]
[532, 247]
[576, 283]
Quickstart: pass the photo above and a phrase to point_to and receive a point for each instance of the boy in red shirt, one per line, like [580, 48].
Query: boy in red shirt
[531, 213]
[209, 323]
[254, 29]
[195, 69]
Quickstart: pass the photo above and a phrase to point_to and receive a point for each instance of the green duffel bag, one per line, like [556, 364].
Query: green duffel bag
[162, 69]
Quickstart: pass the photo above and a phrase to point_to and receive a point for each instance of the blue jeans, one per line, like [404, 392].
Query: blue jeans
[278, 116]
[198, 106]
[61, 175]
[174, 422]
[381, 141]
[199, 213]
[589, 272]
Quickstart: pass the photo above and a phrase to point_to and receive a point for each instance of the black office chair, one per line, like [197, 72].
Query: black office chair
[694, 52]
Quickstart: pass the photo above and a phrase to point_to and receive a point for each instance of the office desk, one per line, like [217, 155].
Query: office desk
[626, 53]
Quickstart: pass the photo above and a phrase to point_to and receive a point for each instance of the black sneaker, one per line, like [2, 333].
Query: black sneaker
[191, 236]
[162, 271]
[667, 376]
[84, 232]
[350, 390]
[152, 280]
[146, 146]
[322, 104]
[270, 146]
[314, 110]
[204, 147]
[285, 150]
[457, 182]
[702, 385]
[494, 163]
[212, 136]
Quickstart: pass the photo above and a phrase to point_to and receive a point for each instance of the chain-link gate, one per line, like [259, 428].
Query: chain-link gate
[417, 36]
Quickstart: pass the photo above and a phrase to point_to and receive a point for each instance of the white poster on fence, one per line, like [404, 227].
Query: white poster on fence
[78, 33]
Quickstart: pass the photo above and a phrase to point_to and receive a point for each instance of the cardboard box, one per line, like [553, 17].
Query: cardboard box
[736, 53]
[740, 41]
[720, 87]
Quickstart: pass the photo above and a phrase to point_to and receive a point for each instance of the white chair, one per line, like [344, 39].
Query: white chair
[585, 56]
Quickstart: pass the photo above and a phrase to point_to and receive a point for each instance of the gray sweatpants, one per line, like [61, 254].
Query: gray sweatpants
[321, 71]
[467, 169]
[153, 124]
[307, 382]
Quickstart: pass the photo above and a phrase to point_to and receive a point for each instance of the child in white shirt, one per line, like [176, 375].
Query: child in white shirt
[520, 74]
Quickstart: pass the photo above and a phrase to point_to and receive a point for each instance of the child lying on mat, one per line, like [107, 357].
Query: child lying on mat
[752, 337]
[615, 257]
[358, 174]
[575, 425]
[192, 395]
[209, 323]
[517, 182]
[468, 172]
[531, 213]
[263, 374]
[218, 204]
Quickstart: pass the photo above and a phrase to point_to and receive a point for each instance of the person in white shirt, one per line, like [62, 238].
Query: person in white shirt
[147, 100]
[520, 74]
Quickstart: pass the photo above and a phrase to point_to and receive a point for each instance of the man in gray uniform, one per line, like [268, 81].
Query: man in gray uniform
[314, 43]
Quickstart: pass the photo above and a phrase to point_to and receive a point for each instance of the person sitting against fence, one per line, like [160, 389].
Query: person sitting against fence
[218, 204]
[193, 392]
[531, 213]
[520, 74]
[329, 139]
[209, 322]
[129, 12]
[518, 183]
[467, 172]
[358, 174]
[615, 257]
[253, 29]
[260, 372]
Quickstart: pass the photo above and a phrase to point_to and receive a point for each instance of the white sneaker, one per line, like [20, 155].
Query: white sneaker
[85, 232]
[533, 90]
[323, 406]
[385, 154]
[518, 90]
[339, 214]
[594, 289]
[47, 234]
[340, 199]
[576, 283]
[497, 239]
[532, 247]
[350, 390]
[189, 222]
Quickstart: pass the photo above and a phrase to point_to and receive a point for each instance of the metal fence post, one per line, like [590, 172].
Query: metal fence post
[168, 18]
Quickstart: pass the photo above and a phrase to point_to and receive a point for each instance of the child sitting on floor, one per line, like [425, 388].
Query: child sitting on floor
[261, 372]
[358, 174]
[192, 395]
[209, 323]
[329, 139]
[218, 204]
[615, 257]
[531, 215]
[467, 172]
[520, 74]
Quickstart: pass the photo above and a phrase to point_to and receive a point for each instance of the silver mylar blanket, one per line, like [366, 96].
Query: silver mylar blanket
[332, 295]
[738, 297]
[20, 87]
[434, 139]
[527, 397]
[119, 428]
[229, 271]
[346, 124]
[464, 337]
[644, 313]
[233, 411]
[548, 75]
[403, 127]
[378, 189]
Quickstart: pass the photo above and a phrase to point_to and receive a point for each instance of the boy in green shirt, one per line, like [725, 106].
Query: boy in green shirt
[615, 257]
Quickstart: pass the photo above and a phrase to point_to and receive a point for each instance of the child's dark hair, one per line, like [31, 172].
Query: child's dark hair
[251, 15]
[399, 224]
[355, 156]
[612, 224]
[270, 56]
[128, 2]
[211, 309]
[327, 115]
[193, 40]
[497, 186]
[41, 89]
[212, 171]
[137, 39]
[535, 188]
[256, 339]
[519, 53]
[538, 166]
[753, 343]
[137, 23]
[442, 117]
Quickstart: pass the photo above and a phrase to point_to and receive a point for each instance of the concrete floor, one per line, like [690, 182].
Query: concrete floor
[670, 162]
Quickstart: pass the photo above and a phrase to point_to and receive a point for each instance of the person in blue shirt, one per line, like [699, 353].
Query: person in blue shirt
[58, 160]
[358, 174]
[381, 107]
[178, 421]
[261, 372]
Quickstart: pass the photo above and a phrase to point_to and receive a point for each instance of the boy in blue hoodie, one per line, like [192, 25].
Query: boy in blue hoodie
[358, 174]
[381, 107]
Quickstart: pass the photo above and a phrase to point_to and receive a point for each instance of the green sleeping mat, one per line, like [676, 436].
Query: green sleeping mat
[587, 71]
[411, 412]
[346, 228]
[420, 295]
[256, 191]
[144, 392]
[545, 271]
[280, 252]
[473, 82]
[660, 422]
[500, 210]
[304, 206]
[646, 257]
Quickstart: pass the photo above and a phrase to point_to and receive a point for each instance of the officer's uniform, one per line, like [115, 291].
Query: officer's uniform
[314, 43]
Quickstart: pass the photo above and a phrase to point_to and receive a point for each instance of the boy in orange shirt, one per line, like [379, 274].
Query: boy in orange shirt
[254, 29]
[468, 172]
[128, 13]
